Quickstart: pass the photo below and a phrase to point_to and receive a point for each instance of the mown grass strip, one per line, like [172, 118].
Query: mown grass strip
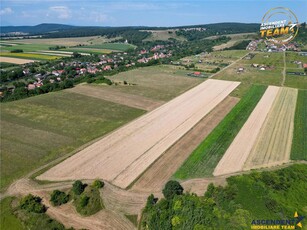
[29, 56]
[299, 142]
[205, 157]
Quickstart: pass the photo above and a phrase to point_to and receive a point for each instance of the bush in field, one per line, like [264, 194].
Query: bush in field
[98, 184]
[17, 51]
[32, 203]
[171, 189]
[78, 187]
[58, 198]
[84, 201]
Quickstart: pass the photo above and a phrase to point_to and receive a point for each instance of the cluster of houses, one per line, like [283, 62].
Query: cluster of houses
[262, 67]
[271, 47]
[106, 63]
[158, 52]
[156, 56]
[252, 46]
[197, 74]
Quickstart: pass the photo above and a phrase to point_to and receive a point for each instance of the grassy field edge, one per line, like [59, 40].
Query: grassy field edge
[299, 142]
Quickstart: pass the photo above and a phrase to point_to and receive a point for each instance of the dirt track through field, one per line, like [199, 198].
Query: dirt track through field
[238, 152]
[15, 60]
[159, 173]
[123, 155]
[109, 94]
[273, 145]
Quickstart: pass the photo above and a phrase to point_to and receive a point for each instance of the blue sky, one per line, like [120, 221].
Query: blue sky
[141, 13]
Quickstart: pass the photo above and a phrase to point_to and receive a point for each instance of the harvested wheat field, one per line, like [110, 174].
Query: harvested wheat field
[15, 60]
[123, 155]
[273, 145]
[161, 171]
[238, 152]
[109, 94]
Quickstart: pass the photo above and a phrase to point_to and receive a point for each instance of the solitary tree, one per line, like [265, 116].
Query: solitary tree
[171, 189]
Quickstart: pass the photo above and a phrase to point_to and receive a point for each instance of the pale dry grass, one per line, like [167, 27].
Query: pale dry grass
[124, 154]
[156, 176]
[15, 60]
[273, 145]
[92, 40]
[237, 153]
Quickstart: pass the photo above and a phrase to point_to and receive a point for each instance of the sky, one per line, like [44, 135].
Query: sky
[141, 13]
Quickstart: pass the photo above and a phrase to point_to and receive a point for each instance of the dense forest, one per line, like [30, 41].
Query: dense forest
[267, 195]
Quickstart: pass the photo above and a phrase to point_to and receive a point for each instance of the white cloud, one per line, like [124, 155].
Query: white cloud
[133, 6]
[62, 12]
[6, 11]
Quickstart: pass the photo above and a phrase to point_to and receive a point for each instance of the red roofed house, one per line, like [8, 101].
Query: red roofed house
[305, 65]
[107, 68]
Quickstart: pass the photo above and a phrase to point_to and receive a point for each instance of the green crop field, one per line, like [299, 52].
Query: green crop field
[205, 157]
[296, 81]
[7, 218]
[30, 56]
[299, 143]
[88, 50]
[28, 47]
[37, 130]
[112, 46]
[157, 82]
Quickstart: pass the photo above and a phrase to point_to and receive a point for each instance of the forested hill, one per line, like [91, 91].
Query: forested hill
[59, 30]
[38, 29]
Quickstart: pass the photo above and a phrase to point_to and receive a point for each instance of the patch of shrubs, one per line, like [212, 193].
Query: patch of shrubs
[78, 187]
[98, 184]
[17, 51]
[58, 198]
[32, 203]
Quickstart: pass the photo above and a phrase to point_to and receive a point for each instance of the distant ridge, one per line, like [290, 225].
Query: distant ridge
[51, 30]
[41, 28]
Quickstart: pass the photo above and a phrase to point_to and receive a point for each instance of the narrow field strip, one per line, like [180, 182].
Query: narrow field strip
[206, 156]
[299, 143]
[237, 153]
[124, 154]
[29, 56]
[15, 60]
[273, 144]
[51, 54]
[161, 171]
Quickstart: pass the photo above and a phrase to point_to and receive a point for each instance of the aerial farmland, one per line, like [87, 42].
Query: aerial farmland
[151, 128]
